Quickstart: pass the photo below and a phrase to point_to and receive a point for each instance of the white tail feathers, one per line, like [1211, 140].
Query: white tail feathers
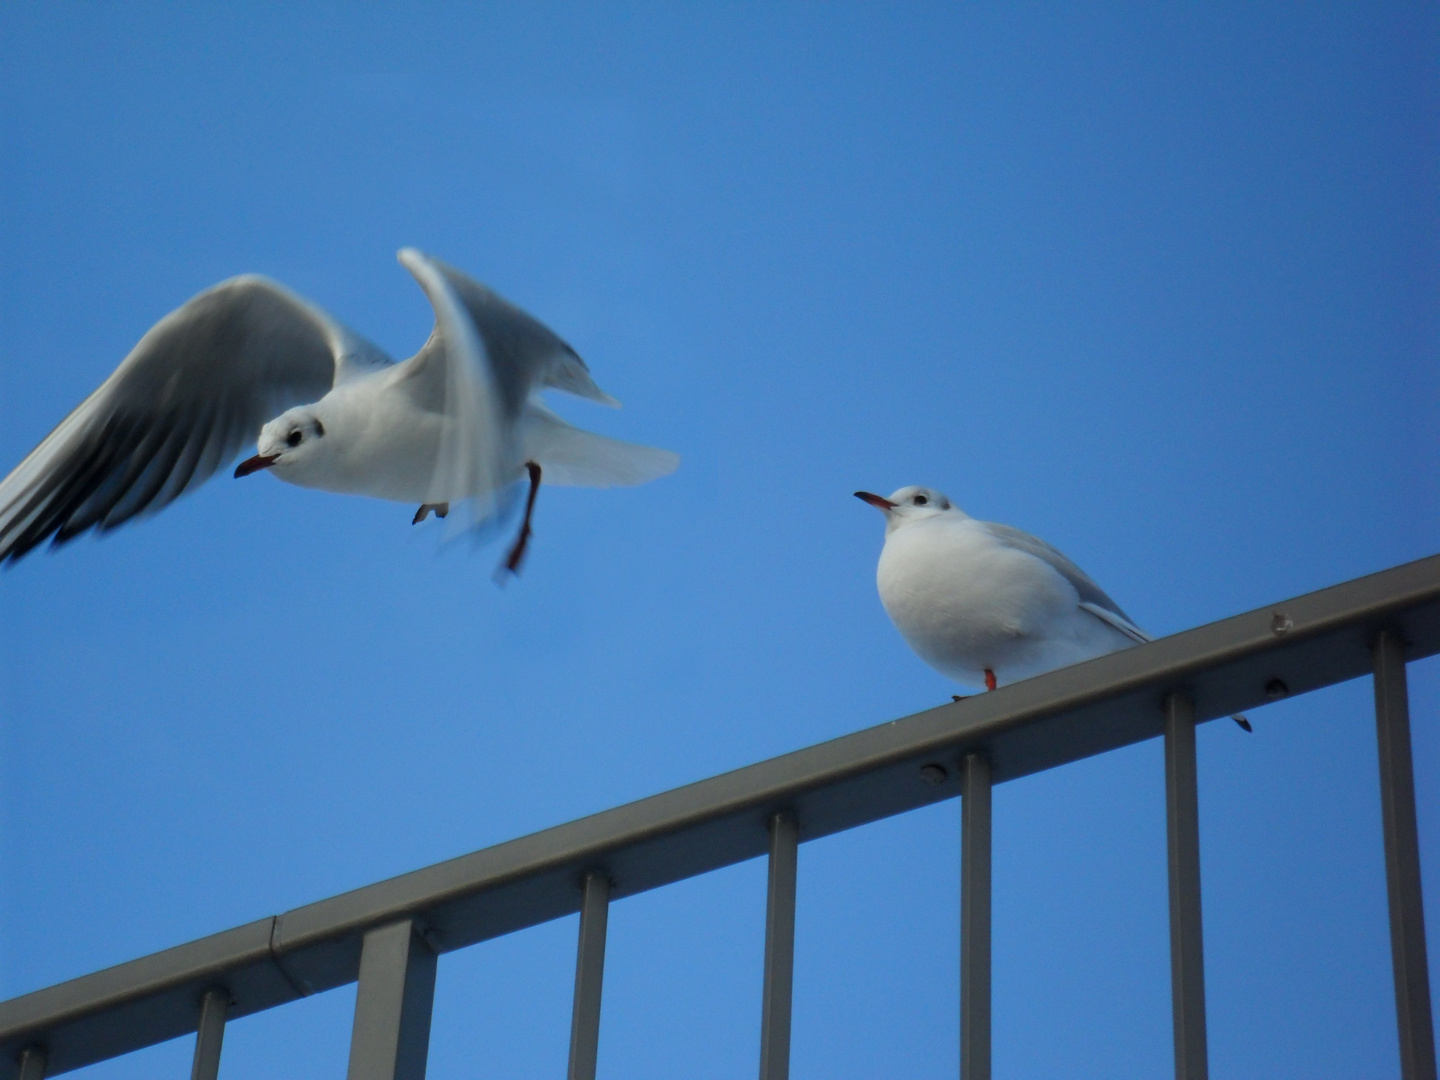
[571, 457]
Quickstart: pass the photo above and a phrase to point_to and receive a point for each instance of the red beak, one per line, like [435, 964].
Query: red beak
[875, 500]
[255, 464]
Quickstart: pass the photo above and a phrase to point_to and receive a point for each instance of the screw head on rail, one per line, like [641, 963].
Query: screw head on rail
[933, 774]
[1276, 689]
[1281, 623]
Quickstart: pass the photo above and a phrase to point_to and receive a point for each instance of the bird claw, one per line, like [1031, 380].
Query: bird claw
[1244, 723]
[440, 510]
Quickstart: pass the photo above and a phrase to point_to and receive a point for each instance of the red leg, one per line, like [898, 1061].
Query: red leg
[989, 679]
[517, 551]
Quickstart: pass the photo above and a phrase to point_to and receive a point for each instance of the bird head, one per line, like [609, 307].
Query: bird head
[290, 439]
[908, 505]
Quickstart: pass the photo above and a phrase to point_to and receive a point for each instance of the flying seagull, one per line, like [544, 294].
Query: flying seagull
[249, 361]
[988, 603]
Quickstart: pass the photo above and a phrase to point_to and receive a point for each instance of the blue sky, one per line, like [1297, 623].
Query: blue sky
[1156, 284]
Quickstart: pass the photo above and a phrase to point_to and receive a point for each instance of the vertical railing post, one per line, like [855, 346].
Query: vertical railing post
[32, 1064]
[779, 948]
[1402, 860]
[210, 1034]
[391, 1037]
[975, 917]
[589, 975]
[1187, 947]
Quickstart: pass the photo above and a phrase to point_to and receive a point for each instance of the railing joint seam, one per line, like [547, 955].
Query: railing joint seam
[301, 986]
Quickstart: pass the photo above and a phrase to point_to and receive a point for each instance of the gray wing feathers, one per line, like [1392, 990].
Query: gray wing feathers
[453, 376]
[1124, 625]
[478, 372]
[523, 353]
[1092, 598]
[198, 386]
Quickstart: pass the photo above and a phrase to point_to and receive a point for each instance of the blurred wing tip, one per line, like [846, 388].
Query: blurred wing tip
[667, 460]
[590, 393]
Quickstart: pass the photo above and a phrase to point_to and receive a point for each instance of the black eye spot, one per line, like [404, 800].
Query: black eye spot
[920, 500]
[293, 439]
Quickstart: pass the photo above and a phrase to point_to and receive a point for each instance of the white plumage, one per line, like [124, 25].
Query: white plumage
[459, 422]
[988, 604]
[971, 596]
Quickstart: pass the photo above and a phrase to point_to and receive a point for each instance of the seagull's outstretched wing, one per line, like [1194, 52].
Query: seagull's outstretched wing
[571, 457]
[523, 353]
[198, 387]
[478, 402]
[478, 371]
[1092, 598]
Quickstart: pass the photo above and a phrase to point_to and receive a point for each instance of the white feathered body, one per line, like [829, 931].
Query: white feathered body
[377, 443]
[380, 442]
[965, 601]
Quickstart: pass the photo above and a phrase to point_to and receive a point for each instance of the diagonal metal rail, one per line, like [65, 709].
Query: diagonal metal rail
[388, 934]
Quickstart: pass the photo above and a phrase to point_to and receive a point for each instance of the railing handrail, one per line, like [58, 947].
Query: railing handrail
[1299, 645]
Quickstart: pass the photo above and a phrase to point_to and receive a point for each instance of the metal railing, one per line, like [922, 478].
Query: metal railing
[389, 935]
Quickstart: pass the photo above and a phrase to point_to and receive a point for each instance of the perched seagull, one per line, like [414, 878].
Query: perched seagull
[460, 421]
[988, 603]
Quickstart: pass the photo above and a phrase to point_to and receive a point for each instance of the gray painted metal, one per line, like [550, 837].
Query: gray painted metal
[210, 1035]
[975, 893]
[779, 948]
[391, 1036]
[1315, 640]
[1402, 860]
[143, 1002]
[32, 1064]
[1187, 950]
[589, 975]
